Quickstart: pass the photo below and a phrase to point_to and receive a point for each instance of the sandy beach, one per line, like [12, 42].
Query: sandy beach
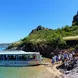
[50, 71]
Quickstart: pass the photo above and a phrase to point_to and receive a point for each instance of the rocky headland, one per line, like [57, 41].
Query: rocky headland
[47, 41]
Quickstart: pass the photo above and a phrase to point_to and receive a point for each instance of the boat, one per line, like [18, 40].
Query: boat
[19, 58]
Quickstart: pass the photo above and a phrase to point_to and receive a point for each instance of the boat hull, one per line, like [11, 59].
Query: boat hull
[19, 63]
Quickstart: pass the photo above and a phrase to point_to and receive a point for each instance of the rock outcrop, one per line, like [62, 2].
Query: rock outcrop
[45, 50]
[75, 20]
[39, 28]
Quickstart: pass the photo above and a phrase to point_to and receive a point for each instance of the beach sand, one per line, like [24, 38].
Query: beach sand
[50, 71]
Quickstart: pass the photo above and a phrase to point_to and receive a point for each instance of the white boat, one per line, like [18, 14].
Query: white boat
[19, 58]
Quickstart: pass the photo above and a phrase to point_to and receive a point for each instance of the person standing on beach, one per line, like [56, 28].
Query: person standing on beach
[62, 56]
[70, 56]
[59, 58]
[53, 60]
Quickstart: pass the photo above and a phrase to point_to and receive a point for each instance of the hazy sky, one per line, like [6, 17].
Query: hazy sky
[19, 17]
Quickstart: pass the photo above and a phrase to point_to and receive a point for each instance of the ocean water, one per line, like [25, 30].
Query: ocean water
[21, 72]
[2, 49]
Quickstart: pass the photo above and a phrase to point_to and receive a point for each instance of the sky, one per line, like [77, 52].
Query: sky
[19, 17]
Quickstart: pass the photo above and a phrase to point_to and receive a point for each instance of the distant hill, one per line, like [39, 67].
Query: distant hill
[4, 45]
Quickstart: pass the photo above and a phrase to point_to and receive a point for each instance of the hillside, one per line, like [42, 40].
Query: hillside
[49, 41]
[41, 34]
[46, 40]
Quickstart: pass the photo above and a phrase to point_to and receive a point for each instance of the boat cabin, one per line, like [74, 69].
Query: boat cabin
[19, 58]
[18, 55]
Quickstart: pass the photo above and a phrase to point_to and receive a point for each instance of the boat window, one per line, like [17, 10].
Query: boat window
[28, 57]
[11, 57]
[1, 57]
[23, 57]
[5, 57]
[34, 56]
[37, 56]
[19, 57]
[31, 57]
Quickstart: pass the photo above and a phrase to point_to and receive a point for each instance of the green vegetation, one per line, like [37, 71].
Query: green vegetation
[49, 35]
[48, 41]
[45, 34]
[42, 35]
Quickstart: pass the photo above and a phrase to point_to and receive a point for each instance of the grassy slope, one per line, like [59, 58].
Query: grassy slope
[45, 35]
[71, 38]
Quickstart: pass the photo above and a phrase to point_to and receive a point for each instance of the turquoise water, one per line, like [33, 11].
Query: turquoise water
[20, 72]
[2, 49]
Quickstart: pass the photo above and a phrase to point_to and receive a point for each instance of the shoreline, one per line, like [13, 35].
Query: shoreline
[50, 71]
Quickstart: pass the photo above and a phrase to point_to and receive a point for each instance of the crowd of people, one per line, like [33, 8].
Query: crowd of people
[63, 57]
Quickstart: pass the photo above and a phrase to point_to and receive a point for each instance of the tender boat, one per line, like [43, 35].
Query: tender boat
[19, 58]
